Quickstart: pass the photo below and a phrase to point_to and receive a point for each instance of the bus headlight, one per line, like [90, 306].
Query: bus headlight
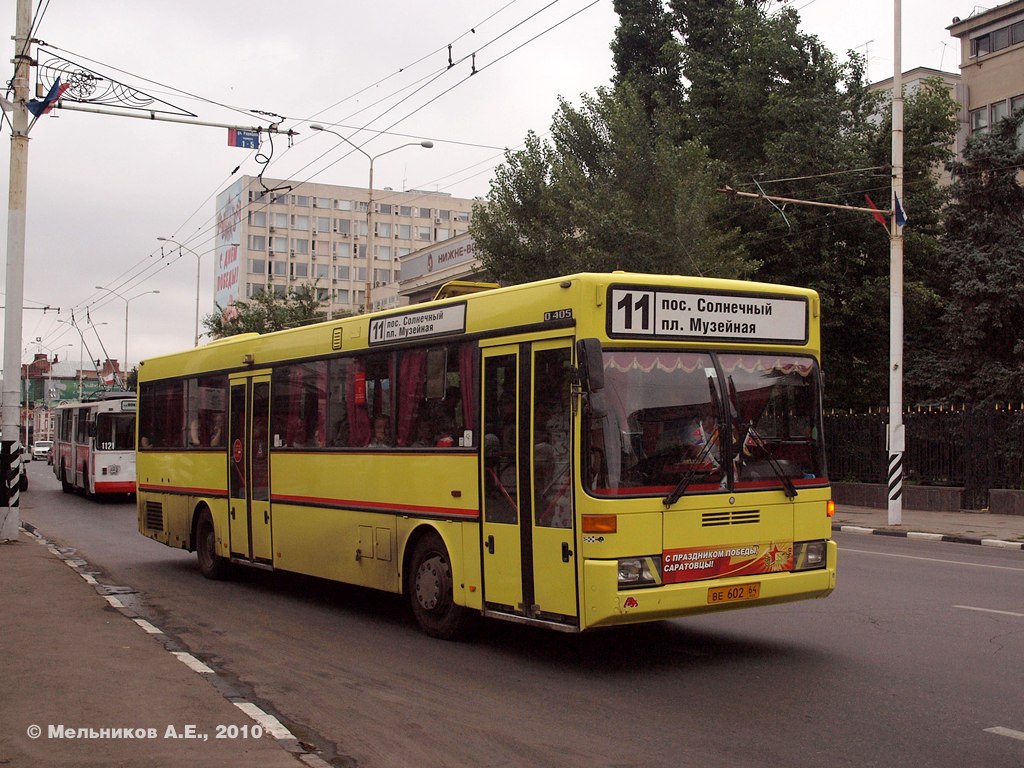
[639, 571]
[808, 555]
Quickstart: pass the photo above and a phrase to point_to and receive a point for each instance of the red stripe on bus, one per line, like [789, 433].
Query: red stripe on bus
[121, 487]
[183, 490]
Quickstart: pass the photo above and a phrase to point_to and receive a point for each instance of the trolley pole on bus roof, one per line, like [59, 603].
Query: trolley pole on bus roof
[10, 414]
[897, 436]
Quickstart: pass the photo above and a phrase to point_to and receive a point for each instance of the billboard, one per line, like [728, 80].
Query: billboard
[229, 229]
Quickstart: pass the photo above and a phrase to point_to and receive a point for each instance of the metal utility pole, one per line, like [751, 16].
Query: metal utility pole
[897, 435]
[10, 414]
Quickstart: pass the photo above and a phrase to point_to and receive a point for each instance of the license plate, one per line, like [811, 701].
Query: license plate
[718, 595]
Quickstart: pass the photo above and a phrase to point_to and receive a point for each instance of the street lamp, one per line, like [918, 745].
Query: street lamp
[126, 302]
[198, 263]
[369, 204]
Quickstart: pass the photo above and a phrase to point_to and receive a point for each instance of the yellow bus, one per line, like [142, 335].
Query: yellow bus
[581, 452]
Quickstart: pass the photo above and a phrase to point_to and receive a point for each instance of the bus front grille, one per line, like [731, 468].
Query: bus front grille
[154, 515]
[730, 517]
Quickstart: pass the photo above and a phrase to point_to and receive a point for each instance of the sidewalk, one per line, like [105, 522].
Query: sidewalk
[85, 685]
[965, 527]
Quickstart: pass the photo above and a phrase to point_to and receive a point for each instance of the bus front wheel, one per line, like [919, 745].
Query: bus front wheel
[211, 565]
[431, 593]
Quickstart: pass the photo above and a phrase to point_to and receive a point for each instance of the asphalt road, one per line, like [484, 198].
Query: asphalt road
[913, 661]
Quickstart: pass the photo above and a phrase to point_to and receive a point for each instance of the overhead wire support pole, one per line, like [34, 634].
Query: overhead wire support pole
[163, 118]
[727, 190]
[10, 412]
[897, 434]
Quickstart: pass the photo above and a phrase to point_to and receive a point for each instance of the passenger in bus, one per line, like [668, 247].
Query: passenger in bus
[424, 434]
[381, 437]
[217, 433]
[193, 433]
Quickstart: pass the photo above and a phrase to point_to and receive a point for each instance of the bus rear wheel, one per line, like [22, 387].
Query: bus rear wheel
[211, 565]
[431, 593]
[65, 484]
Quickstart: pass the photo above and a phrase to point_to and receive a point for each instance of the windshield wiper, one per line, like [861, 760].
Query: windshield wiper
[787, 483]
[684, 482]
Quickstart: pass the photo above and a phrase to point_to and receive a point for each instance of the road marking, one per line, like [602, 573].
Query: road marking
[148, 627]
[1000, 731]
[270, 724]
[114, 602]
[930, 559]
[989, 610]
[193, 663]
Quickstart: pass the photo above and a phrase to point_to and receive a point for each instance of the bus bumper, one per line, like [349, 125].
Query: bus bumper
[118, 487]
[605, 605]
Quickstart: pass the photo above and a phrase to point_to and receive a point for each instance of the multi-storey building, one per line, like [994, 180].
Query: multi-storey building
[991, 67]
[274, 235]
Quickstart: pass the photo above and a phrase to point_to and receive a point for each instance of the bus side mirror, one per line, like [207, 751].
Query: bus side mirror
[591, 365]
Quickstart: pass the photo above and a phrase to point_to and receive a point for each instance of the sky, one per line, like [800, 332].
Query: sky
[103, 188]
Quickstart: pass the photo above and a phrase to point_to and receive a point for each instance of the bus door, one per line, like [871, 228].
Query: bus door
[528, 529]
[248, 448]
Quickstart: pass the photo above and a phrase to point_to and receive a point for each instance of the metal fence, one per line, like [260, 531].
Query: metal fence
[977, 448]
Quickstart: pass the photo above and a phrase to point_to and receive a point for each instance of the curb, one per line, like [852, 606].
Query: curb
[953, 539]
[272, 727]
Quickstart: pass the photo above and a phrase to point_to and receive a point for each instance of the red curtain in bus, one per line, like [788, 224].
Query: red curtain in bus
[410, 393]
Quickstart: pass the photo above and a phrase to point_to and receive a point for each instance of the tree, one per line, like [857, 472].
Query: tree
[982, 328]
[646, 55]
[613, 190]
[266, 312]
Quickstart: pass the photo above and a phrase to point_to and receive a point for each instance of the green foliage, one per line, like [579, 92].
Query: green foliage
[614, 190]
[646, 55]
[266, 312]
[983, 264]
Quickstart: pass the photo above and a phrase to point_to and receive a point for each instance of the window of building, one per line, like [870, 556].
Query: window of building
[423, 233]
[322, 202]
[322, 294]
[343, 205]
[462, 216]
[322, 224]
[253, 289]
[442, 234]
[322, 270]
[383, 251]
[341, 272]
[998, 111]
[279, 220]
[360, 273]
[405, 210]
[341, 296]
[257, 218]
[300, 201]
[257, 266]
[299, 269]
[386, 208]
[404, 232]
[360, 250]
[979, 120]
[1017, 33]
[322, 246]
[300, 222]
[300, 247]
[444, 215]
[279, 268]
[362, 207]
[383, 229]
[382, 276]
[280, 291]
[257, 242]
[278, 244]
[279, 198]
[361, 228]
[423, 213]
[343, 226]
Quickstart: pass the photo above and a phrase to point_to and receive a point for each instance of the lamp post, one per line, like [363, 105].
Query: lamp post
[369, 204]
[199, 259]
[126, 302]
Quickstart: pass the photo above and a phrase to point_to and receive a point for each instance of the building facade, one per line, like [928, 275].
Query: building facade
[991, 67]
[275, 235]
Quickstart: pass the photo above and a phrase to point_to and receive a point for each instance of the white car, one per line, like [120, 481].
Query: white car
[41, 449]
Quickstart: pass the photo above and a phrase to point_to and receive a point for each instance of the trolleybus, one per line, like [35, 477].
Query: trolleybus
[581, 452]
[94, 444]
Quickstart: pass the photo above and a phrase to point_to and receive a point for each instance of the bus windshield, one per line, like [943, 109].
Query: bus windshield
[698, 422]
[115, 432]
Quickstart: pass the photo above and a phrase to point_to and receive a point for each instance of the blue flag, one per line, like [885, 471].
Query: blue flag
[901, 217]
[40, 107]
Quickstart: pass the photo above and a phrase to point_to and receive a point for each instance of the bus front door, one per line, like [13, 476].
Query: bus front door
[528, 530]
[249, 470]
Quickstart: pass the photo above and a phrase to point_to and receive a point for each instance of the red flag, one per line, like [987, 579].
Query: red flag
[877, 213]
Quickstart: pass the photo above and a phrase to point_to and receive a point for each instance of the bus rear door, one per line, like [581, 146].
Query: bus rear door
[528, 531]
[249, 470]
